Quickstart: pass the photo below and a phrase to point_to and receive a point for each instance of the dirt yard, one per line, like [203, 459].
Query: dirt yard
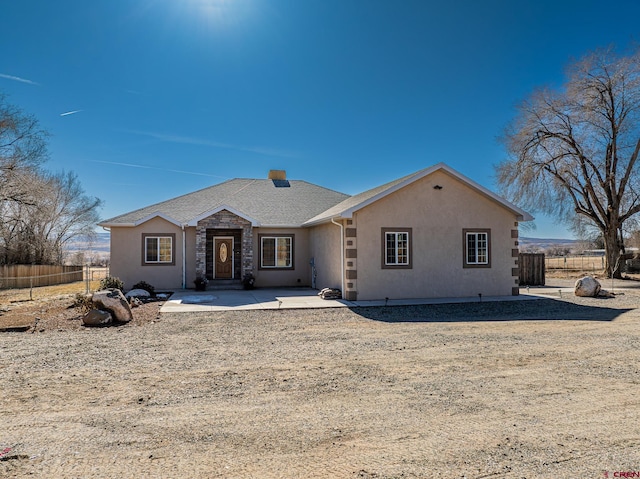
[532, 389]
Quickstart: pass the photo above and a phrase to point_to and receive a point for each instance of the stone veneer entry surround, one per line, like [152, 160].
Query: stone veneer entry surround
[224, 220]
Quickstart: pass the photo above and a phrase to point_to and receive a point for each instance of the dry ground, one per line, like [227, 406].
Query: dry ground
[535, 389]
[52, 308]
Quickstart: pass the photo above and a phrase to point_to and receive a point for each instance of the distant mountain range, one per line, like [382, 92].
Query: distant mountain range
[544, 243]
[99, 244]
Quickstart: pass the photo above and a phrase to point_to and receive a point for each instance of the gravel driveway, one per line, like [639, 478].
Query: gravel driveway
[545, 388]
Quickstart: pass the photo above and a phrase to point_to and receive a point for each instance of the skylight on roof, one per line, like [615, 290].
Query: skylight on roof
[281, 183]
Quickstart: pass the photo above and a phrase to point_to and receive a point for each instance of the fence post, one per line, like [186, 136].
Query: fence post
[87, 278]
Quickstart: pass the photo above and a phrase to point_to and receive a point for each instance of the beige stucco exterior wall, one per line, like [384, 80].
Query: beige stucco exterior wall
[127, 251]
[299, 275]
[437, 218]
[324, 248]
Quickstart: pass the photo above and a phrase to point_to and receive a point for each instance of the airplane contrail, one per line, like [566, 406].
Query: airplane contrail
[216, 144]
[14, 78]
[131, 165]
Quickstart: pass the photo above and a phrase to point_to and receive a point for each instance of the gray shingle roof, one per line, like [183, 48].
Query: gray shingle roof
[284, 202]
[268, 202]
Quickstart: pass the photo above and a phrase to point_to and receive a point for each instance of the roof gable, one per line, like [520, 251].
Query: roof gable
[217, 209]
[346, 208]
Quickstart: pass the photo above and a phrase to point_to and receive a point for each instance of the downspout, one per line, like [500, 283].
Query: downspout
[184, 259]
[108, 228]
[341, 255]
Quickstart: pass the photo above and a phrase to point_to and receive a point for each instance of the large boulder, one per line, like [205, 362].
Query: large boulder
[113, 301]
[96, 317]
[587, 286]
[138, 293]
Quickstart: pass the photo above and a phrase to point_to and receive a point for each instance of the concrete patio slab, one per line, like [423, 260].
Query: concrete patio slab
[225, 300]
[296, 298]
[307, 298]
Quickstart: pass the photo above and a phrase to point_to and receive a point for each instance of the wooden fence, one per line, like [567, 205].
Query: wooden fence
[532, 269]
[25, 276]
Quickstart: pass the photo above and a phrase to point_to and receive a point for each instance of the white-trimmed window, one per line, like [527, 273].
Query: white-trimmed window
[276, 251]
[396, 248]
[158, 249]
[477, 248]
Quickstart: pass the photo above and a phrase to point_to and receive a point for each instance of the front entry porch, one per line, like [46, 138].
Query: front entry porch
[224, 248]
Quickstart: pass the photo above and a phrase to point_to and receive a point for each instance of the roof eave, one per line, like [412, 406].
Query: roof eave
[322, 220]
[116, 225]
[141, 221]
[281, 226]
[525, 217]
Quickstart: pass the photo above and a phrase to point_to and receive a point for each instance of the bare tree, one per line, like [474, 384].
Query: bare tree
[23, 149]
[37, 230]
[64, 213]
[574, 150]
[40, 212]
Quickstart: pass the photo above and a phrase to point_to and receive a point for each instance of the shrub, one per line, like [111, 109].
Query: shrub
[83, 302]
[248, 281]
[111, 282]
[146, 286]
[201, 283]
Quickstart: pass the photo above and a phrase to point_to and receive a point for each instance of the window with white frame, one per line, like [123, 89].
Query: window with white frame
[396, 248]
[276, 251]
[158, 249]
[477, 248]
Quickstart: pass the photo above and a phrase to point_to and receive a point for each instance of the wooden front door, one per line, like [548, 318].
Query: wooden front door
[223, 254]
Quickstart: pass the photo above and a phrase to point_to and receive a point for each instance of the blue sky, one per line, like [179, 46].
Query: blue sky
[149, 99]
